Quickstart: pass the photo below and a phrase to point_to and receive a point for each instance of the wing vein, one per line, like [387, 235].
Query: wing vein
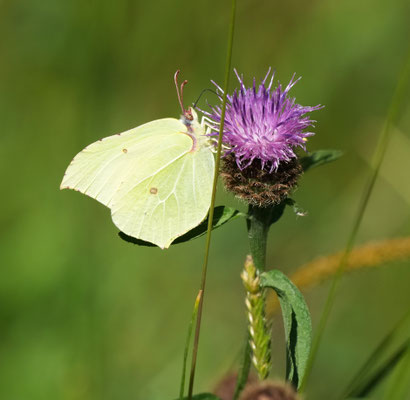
[153, 174]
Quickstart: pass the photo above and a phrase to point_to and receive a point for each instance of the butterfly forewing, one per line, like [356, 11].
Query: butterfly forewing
[104, 166]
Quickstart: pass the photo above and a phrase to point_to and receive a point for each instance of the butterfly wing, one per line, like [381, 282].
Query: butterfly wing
[168, 204]
[148, 176]
[102, 167]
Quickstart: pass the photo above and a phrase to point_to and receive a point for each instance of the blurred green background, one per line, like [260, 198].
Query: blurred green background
[84, 315]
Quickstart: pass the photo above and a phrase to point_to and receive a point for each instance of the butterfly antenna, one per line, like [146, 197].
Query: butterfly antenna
[200, 95]
[180, 92]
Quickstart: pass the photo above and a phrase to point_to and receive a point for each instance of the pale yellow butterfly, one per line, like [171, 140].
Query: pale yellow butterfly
[156, 178]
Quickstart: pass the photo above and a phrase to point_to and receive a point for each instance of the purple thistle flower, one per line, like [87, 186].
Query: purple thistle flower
[262, 124]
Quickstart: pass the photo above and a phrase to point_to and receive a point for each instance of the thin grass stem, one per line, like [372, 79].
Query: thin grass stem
[398, 388]
[358, 384]
[187, 342]
[376, 164]
[211, 209]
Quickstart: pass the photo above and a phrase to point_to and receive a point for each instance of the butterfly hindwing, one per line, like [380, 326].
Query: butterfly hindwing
[164, 206]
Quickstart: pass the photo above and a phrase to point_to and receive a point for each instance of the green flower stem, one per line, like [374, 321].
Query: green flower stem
[258, 228]
[258, 222]
[258, 347]
[259, 331]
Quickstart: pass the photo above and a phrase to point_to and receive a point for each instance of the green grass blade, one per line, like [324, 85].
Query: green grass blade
[372, 381]
[211, 210]
[376, 163]
[363, 376]
[188, 341]
[399, 388]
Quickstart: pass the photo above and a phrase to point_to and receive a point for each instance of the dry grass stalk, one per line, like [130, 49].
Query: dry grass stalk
[366, 256]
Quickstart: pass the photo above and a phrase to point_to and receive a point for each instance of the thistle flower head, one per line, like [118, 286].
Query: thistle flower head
[262, 123]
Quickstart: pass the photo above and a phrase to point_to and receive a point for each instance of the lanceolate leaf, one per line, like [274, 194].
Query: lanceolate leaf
[222, 215]
[297, 322]
[319, 157]
[276, 212]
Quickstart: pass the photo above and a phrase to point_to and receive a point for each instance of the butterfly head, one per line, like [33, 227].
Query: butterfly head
[190, 118]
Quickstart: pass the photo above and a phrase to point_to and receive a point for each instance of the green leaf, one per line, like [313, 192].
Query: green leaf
[297, 322]
[203, 396]
[276, 212]
[319, 157]
[222, 215]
